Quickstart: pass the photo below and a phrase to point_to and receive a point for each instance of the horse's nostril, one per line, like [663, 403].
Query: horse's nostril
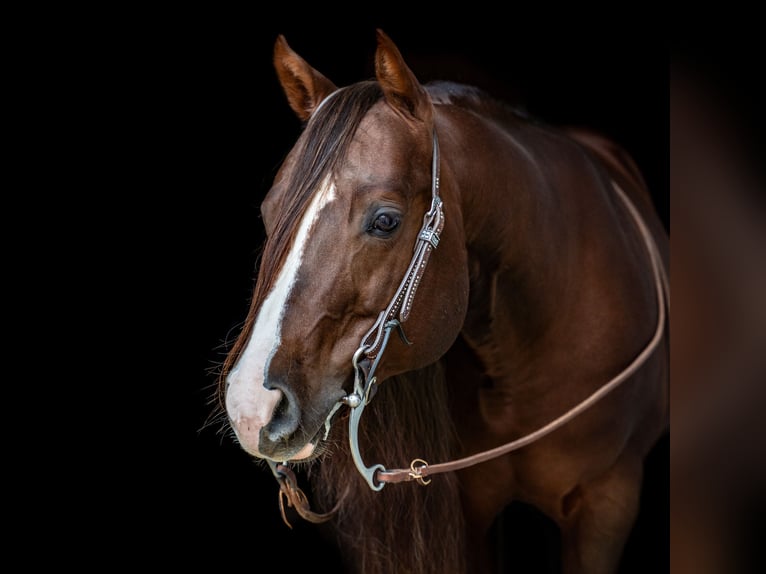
[280, 411]
[285, 419]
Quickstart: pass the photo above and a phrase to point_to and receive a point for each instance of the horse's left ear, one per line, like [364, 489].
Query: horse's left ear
[402, 90]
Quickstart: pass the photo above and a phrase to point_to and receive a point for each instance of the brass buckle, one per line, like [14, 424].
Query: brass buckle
[415, 471]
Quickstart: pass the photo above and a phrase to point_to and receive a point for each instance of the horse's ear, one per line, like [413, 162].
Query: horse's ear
[402, 90]
[304, 87]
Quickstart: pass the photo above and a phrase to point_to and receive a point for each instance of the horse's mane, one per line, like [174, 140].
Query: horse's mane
[403, 528]
[475, 99]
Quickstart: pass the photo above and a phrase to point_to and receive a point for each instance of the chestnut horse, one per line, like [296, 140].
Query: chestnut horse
[491, 291]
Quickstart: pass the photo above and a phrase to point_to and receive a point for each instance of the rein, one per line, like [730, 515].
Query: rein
[367, 357]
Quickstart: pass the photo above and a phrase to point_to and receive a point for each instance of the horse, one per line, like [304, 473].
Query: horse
[453, 287]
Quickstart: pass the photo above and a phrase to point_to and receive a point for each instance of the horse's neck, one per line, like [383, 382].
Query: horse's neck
[522, 225]
[550, 279]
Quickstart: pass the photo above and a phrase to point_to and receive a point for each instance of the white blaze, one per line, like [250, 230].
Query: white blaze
[249, 404]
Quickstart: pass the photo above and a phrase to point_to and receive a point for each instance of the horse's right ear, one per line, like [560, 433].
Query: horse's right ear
[304, 87]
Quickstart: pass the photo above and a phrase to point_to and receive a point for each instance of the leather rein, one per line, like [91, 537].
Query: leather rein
[367, 357]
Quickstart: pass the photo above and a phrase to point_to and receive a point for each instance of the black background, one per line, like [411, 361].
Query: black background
[197, 125]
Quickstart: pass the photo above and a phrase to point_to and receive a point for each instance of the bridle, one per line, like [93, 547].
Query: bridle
[374, 343]
[367, 357]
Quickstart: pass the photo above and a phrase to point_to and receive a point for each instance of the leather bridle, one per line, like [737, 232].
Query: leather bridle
[374, 343]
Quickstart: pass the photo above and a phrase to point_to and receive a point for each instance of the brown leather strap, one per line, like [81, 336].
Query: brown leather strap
[290, 492]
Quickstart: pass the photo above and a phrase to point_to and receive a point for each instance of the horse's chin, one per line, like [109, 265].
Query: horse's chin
[316, 447]
[306, 453]
[312, 449]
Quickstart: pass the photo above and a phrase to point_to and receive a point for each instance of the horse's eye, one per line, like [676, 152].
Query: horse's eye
[384, 224]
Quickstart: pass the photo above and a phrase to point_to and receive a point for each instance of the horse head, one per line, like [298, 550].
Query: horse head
[345, 209]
